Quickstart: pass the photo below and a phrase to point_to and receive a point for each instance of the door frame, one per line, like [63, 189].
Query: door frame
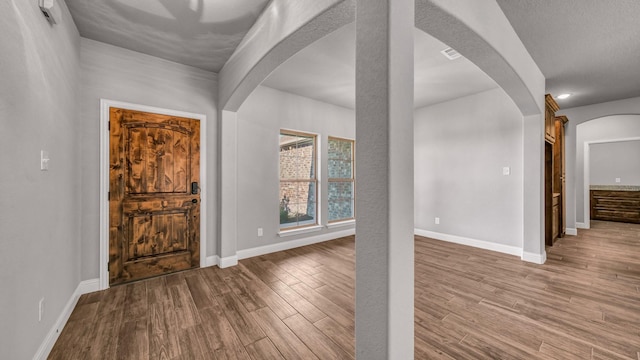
[105, 105]
[587, 175]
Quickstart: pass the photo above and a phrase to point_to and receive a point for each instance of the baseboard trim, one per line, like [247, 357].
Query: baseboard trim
[534, 257]
[482, 244]
[84, 287]
[212, 261]
[580, 225]
[228, 261]
[571, 231]
[286, 245]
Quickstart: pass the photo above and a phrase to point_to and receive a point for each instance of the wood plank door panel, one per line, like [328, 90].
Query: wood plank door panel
[154, 219]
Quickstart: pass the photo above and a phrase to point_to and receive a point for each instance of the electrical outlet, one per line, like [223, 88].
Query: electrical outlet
[617, 180]
[260, 233]
[437, 221]
[40, 309]
[506, 171]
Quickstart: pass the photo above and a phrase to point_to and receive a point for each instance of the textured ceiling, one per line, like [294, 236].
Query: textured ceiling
[200, 33]
[325, 71]
[590, 48]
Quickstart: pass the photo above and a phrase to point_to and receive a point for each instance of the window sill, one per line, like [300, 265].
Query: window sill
[341, 223]
[304, 230]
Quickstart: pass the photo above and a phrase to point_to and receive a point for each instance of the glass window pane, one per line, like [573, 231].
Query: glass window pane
[341, 210]
[340, 169]
[298, 203]
[341, 200]
[288, 190]
[340, 149]
[288, 168]
[297, 156]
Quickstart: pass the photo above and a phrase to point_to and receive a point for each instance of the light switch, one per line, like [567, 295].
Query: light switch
[44, 160]
[506, 170]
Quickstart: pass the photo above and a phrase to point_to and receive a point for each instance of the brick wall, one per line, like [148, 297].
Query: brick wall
[296, 162]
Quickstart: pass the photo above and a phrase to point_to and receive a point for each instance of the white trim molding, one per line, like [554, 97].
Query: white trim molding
[286, 245]
[228, 261]
[84, 287]
[105, 104]
[534, 258]
[571, 231]
[344, 223]
[211, 261]
[298, 231]
[482, 244]
[580, 225]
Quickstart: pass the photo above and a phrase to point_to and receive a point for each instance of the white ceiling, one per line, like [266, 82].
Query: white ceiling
[200, 33]
[590, 48]
[325, 71]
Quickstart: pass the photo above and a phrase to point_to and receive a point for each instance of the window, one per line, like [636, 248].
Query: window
[341, 179]
[298, 180]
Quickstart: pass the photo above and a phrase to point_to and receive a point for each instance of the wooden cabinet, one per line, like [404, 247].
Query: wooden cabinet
[555, 217]
[550, 118]
[612, 205]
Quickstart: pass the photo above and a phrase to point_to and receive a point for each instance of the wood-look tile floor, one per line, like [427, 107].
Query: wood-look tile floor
[584, 303]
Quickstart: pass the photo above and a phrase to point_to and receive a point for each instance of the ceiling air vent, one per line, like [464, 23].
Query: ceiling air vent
[450, 53]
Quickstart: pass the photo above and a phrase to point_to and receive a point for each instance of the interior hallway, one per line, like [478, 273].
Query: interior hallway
[469, 304]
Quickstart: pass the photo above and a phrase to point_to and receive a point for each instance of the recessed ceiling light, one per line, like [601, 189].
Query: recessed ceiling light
[563, 96]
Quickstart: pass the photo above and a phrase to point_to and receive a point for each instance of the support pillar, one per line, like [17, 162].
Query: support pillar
[384, 181]
[228, 189]
[533, 249]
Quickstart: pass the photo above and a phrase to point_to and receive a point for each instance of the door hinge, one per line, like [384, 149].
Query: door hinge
[109, 126]
[108, 266]
[109, 196]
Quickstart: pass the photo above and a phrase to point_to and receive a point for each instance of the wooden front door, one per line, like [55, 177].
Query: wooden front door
[154, 201]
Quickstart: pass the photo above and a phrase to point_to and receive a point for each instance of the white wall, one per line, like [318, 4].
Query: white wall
[39, 211]
[461, 147]
[574, 150]
[260, 119]
[615, 160]
[114, 73]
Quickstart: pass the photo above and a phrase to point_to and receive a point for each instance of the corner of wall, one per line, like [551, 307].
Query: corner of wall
[534, 258]
[84, 287]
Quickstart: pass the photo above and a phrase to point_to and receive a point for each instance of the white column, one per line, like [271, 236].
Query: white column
[533, 249]
[228, 188]
[384, 173]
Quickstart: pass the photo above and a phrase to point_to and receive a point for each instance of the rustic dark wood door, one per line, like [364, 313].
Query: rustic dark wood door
[154, 201]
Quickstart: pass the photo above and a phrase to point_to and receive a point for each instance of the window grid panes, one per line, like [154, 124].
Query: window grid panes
[341, 179]
[298, 180]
